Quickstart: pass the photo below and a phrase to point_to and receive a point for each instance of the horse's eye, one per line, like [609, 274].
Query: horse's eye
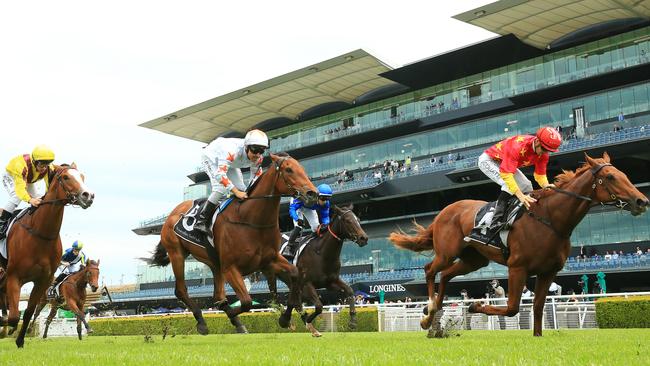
[289, 170]
[65, 177]
[610, 177]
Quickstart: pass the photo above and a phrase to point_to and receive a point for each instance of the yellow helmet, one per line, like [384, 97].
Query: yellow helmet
[42, 152]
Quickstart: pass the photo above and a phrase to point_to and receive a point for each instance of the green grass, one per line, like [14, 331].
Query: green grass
[576, 347]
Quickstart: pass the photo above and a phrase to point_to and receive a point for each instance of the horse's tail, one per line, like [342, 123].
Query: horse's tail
[421, 241]
[159, 256]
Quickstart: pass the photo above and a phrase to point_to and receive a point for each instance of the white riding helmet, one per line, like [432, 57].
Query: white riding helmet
[256, 137]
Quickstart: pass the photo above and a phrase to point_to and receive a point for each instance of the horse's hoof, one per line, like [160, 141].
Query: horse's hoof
[242, 330]
[425, 323]
[89, 331]
[284, 321]
[353, 325]
[20, 343]
[202, 329]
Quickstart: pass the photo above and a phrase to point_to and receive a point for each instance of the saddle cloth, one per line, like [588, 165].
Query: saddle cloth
[3, 242]
[302, 243]
[184, 228]
[481, 232]
[53, 291]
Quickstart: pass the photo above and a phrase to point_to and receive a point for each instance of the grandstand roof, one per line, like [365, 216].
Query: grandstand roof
[541, 22]
[340, 79]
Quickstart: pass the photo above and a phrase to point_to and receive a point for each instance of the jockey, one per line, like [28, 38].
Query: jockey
[502, 161]
[22, 172]
[71, 261]
[315, 214]
[222, 161]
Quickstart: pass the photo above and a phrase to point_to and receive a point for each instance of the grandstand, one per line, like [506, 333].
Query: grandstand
[346, 118]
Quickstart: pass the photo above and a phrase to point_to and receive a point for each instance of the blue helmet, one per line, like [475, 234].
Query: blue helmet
[325, 190]
[78, 245]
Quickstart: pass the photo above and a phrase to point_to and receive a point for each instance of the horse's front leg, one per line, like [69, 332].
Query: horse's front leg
[40, 286]
[312, 296]
[236, 281]
[81, 317]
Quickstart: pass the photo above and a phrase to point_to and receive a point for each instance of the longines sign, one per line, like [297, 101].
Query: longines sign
[393, 287]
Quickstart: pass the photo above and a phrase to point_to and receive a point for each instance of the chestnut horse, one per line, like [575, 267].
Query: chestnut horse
[246, 238]
[34, 245]
[73, 292]
[539, 241]
[319, 265]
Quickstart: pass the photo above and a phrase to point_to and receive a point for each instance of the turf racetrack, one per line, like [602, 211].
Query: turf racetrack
[566, 347]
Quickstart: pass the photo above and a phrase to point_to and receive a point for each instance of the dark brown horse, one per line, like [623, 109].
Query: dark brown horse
[538, 242]
[246, 237]
[73, 296]
[34, 245]
[319, 265]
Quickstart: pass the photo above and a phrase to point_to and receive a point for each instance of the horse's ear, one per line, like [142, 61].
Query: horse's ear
[73, 165]
[350, 206]
[606, 157]
[98, 262]
[589, 160]
[273, 156]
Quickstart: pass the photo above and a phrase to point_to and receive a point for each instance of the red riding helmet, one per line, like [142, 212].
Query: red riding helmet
[549, 138]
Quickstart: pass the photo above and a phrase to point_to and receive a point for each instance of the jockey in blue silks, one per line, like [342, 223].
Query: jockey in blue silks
[318, 216]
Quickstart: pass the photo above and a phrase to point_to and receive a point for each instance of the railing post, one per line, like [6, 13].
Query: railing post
[554, 313]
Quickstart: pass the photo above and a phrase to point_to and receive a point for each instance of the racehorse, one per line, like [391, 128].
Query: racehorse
[73, 292]
[539, 242]
[246, 238]
[319, 265]
[34, 245]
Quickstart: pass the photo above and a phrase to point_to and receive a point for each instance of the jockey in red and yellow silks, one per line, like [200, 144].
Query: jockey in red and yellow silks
[502, 161]
[19, 178]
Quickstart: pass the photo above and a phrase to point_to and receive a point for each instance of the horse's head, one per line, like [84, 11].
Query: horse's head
[67, 184]
[92, 274]
[613, 187]
[348, 225]
[294, 180]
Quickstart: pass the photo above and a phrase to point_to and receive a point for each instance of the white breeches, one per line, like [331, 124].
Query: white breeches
[490, 168]
[219, 191]
[75, 267]
[310, 215]
[10, 186]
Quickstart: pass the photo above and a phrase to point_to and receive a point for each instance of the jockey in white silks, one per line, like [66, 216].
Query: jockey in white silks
[222, 161]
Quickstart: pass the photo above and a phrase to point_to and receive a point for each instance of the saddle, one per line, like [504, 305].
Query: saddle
[4, 230]
[481, 232]
[53, 291]
[184, 228]
[302, 243]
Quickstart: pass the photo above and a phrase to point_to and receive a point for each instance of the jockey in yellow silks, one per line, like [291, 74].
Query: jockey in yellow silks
[19, 179]
[502, 161]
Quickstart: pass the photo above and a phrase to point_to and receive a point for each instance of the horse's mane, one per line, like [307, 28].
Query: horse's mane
[568, 175]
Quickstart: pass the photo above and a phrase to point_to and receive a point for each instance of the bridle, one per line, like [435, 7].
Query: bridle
[70, 197]
[597, 182]
[339, 217]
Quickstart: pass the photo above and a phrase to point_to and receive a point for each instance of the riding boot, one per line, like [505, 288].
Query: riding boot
[205, 218]
[292, 244]
[4, 222]
[499, 210]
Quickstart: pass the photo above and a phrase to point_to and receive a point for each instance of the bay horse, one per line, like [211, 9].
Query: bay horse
[73, 296]
[319, 265]
[246, 238]
[34, 245]
[539, 241]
